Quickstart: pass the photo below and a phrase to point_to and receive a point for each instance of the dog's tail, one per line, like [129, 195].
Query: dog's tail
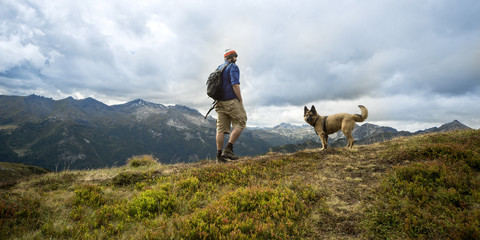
[363, 116]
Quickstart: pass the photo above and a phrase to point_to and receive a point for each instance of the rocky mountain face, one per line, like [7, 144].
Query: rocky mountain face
[82, 134]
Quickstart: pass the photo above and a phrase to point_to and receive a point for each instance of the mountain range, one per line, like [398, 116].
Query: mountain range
[82, 134]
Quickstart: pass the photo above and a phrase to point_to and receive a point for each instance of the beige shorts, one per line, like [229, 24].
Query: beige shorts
[230, 113]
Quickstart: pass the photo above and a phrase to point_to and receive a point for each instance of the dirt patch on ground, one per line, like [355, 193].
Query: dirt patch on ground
[349, 178]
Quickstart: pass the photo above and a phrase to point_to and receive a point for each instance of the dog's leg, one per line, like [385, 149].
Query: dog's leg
[324, 138]
[350, 139]
[347, 129]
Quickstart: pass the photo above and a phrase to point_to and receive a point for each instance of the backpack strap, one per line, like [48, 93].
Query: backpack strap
[213, 106]
[226, 65]
[229, 84]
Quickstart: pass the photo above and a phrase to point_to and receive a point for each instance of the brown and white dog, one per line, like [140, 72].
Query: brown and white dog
[325, 125]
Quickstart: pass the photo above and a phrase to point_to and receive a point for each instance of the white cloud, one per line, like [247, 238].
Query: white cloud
[15, 54]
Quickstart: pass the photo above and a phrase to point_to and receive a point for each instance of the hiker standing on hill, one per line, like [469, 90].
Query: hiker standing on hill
[230, 108]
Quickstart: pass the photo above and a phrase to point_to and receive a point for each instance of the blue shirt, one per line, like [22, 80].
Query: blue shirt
[230, 77]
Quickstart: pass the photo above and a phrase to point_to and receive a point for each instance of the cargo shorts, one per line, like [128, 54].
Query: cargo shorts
[230, 113]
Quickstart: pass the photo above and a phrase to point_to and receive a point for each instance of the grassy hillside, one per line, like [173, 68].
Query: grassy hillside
[10, 173]
[417, 187]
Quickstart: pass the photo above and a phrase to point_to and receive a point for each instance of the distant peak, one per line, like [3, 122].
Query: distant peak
[285, 126]
[34, 96]
[90, 100]
[183, 108]
[455, 125]
[68, 99]
[138, 102]
[456, 122]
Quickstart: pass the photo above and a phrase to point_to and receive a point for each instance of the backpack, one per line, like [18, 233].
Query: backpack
[214, 86]
[214, 83]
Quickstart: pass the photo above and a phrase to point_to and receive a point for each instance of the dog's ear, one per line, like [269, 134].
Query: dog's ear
[314, 111]
[305, 110]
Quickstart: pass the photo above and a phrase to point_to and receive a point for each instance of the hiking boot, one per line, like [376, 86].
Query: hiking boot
[228, 153]
[221, 159]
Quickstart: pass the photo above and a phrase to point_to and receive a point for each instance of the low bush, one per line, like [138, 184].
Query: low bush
[190, 184]
[89, 195]
[153, 202]
[52, 182]
[248, 213]
[112, 218]
[143, 160]
[21, 215]
[128, 178]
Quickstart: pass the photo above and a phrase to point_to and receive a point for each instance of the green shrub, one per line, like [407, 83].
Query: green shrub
[190, 184]
[248, 213]
[7, 217]
[112, 218]
[152, 202]
[143, 160]
[89, 195]
[244, 174]
[220, 175]
[77, 213]
[20, 215]
[474, 161]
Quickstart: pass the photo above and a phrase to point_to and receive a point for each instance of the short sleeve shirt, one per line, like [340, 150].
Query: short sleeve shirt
[230, 77]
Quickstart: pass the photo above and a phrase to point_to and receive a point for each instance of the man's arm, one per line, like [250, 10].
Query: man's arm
[236, 89]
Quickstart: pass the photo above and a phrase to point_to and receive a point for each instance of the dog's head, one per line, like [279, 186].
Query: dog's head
[311, 115]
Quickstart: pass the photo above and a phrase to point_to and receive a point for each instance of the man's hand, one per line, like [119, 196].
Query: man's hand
[236, 89]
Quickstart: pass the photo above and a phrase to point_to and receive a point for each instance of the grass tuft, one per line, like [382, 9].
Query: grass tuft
[143, 160]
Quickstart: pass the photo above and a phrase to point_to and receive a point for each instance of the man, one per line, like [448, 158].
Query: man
[229, 108]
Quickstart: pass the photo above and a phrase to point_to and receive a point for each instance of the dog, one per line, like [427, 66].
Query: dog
[325, 125]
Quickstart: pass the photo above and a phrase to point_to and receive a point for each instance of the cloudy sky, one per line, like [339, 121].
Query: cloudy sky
[413, 64]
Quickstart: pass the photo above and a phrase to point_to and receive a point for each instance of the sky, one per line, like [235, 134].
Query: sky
[413, 64]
